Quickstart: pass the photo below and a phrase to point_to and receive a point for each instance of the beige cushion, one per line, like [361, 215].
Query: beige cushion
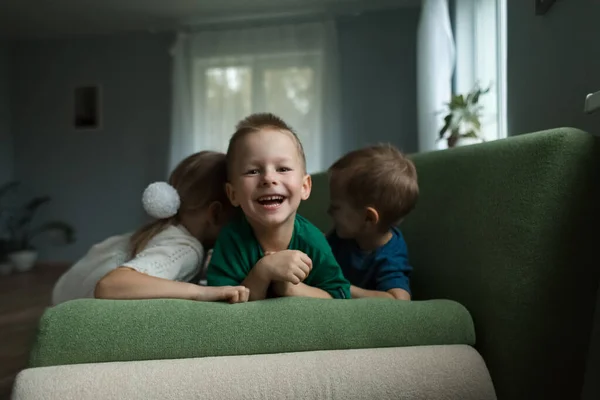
[410, 373]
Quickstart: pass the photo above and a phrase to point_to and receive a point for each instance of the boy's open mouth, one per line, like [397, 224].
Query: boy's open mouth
[270, 201]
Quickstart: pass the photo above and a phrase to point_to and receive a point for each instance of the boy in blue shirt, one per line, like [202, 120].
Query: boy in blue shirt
[372, 190]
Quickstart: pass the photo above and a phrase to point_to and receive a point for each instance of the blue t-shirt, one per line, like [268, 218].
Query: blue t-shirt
[383, 269]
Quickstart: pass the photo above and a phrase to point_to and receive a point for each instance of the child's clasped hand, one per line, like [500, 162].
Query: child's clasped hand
[291, 266]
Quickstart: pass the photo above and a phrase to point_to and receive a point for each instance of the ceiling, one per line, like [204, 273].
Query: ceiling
[21, 18]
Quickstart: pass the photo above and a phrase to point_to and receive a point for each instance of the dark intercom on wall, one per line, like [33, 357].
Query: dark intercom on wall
[542, 6]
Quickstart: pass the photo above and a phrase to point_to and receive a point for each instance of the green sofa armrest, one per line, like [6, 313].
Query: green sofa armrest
[510, 230]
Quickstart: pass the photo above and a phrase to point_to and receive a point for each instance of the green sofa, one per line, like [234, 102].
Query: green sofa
[506, 284]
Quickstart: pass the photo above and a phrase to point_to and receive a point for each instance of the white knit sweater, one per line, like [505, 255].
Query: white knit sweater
[172, 254]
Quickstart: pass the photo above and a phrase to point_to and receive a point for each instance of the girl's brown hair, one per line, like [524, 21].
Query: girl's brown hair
[199, 180]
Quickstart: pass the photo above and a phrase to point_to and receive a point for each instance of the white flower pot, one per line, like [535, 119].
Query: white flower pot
[5, 268]
[465, 141]
[23, 260]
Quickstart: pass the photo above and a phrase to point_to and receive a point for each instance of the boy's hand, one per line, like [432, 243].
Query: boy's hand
[230, 294]
[291, 266]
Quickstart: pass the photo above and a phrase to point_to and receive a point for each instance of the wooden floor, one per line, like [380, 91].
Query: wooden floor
[23, 298]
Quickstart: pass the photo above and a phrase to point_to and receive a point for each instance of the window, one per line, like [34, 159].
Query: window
[221, 76]
[229, 88]
[480, 36]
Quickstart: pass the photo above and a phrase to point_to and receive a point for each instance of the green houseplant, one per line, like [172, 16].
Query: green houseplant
[462, 119]
[17, 231]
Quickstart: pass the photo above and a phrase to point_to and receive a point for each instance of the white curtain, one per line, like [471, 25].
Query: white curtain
[181, 111]
[435, 64]
[220, 76]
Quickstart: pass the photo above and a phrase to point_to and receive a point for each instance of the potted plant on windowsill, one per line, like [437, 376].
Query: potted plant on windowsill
[19, 233]
[462, 120]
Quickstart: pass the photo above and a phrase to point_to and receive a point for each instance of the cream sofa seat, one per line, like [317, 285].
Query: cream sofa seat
[449, 372]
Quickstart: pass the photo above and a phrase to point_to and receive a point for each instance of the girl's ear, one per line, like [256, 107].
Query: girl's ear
[215, 213]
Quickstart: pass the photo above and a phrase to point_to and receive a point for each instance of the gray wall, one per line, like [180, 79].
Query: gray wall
[553, 62]
[6, 146]
[379, 85]
[95, 177]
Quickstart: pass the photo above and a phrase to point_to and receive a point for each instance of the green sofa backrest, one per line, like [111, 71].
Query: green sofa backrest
[315, 208]
[510, 229]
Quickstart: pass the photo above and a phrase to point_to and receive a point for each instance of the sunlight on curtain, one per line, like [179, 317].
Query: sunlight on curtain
[435, 66]
[481, 58]
[288, 70]
[181, 111]
[223, 93]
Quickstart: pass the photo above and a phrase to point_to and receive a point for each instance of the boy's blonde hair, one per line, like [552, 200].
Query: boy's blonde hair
[256, 122]
[380, 177]
[199, 180]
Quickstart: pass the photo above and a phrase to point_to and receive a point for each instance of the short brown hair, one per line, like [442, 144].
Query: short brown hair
[256, 122]
[199, 181]
[380, 177]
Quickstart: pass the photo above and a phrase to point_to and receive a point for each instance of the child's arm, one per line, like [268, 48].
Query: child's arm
[258, 283]
[232, 264]
[286, 269]
[392, 280]
[398, 294]
[228, 267]
[125, 283]
[393, 272]
[163, 270]
[287, 289]
[326, 279]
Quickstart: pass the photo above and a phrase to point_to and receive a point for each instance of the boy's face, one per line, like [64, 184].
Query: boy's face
[349, 222]
[268, 179]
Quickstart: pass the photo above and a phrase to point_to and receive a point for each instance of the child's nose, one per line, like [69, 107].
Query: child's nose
[269, 179]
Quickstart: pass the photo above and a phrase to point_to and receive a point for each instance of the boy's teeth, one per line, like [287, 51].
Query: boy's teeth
[270, 201]
[269, 198]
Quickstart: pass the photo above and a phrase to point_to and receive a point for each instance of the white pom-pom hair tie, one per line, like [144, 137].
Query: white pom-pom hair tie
[161, 200]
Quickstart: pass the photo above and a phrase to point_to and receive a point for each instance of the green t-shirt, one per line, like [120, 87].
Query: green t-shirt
[237, 251]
